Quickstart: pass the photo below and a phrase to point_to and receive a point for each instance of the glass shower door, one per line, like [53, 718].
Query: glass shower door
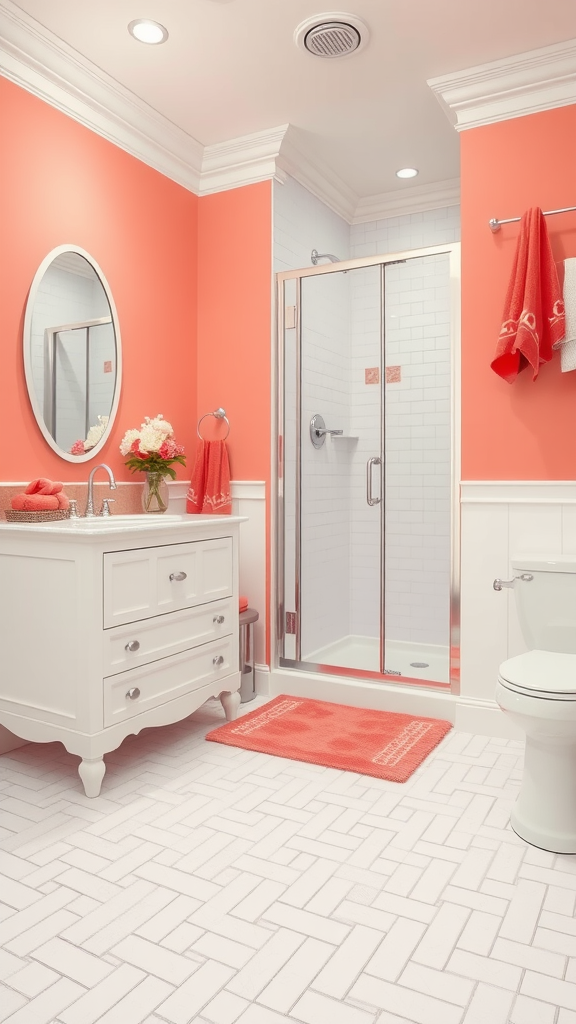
[368, 565]
[333, 463]
[418, 457]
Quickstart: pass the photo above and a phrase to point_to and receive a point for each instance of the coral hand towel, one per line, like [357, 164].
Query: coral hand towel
[209, 491]
[533, 320]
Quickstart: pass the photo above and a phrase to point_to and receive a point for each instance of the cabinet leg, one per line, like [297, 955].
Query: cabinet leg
[230, 702]
[92, 773]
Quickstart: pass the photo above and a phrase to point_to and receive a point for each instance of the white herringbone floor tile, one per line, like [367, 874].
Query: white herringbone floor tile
[213, 885]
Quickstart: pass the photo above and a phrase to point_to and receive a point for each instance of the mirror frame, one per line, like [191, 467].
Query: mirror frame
[27, 353]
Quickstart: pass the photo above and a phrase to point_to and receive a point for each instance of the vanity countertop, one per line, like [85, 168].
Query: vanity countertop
[104, 526]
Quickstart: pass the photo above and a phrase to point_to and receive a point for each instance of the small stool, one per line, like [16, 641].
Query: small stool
[247, 683]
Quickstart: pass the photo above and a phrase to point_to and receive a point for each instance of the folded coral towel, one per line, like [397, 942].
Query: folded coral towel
[44, 486]
[568, 344]
[533, 318]
[41, 495]
[243, 603]
[209, 490]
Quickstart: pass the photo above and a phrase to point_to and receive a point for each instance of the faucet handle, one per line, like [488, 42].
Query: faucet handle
[105, 510]
[73, 508]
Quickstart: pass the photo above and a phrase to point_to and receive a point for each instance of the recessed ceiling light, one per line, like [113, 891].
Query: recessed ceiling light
[406, 172]
[148, 31]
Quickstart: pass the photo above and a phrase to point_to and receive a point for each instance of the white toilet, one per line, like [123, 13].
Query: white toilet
[538, 691]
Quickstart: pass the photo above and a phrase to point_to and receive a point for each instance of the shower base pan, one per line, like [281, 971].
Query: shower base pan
[428, 662]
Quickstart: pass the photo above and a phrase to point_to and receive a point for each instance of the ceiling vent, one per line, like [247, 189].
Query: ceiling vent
[332, 35]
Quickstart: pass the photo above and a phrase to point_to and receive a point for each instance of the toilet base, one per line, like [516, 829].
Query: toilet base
[545, 811]
[552, 842]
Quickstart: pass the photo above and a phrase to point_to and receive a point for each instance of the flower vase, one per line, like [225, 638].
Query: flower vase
[155, 493]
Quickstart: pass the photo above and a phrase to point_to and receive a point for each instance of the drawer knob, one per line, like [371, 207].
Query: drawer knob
[132, 645]
[218, 619]
[178, 576]
[218, 660]
[133, 693]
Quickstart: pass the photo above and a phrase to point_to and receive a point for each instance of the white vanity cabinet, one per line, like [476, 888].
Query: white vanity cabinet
[107, 628]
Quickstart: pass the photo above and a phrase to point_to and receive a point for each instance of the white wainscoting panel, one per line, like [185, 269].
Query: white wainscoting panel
[502, 520]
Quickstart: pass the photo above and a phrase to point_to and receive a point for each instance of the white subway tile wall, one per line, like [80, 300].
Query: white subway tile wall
[341, 341]
[417, 589]
[303, 223]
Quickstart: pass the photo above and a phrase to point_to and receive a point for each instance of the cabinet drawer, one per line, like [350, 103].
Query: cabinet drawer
[127, 647]
[144, 582]
[131, 693]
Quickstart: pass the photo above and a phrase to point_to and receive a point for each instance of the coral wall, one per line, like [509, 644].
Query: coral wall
[523, 431]
[234, 321]
[61, 183]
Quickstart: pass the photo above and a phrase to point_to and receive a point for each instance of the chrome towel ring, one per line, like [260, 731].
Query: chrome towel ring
[220, 414]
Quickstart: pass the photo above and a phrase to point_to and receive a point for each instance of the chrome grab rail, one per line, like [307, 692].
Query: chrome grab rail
[374, 461]
[499, 584]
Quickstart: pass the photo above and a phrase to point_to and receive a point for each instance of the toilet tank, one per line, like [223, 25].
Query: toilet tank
[547, 604]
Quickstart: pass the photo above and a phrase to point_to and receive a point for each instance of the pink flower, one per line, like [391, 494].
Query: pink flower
[77, 448]
[168, 449]
[135, 450]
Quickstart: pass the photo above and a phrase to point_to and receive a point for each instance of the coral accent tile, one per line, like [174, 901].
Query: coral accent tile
[393, 374]
[372, 375]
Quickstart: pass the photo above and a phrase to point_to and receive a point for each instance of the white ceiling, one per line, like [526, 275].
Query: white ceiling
[230, 68]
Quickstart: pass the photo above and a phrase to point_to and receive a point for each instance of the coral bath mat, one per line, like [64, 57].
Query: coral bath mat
[380, 743]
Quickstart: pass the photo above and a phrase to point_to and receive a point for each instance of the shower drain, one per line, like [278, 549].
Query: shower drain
[419, 664]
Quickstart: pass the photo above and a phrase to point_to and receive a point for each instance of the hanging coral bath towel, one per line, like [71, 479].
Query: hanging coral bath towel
[568, 345]
[533, 320]
[209, 491]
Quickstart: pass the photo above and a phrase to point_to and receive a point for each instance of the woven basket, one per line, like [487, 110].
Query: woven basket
[36, 517]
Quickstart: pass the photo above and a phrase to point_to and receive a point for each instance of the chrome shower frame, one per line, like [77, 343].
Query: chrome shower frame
[452, 250]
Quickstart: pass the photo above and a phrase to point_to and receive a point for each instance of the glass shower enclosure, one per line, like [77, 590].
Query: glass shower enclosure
[368, 467]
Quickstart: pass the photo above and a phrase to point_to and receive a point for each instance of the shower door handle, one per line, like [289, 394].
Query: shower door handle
[374, 461]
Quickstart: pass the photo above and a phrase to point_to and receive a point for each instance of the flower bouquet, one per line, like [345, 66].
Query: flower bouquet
[153, 450]
[92, 438]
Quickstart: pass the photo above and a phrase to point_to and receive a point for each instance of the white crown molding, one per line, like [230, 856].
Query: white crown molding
[523, 84]
[316, 176]
[241, 161]
[40, 62]
[43, 64]
[412, 199]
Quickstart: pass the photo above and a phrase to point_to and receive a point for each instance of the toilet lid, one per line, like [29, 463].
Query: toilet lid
[541, 674]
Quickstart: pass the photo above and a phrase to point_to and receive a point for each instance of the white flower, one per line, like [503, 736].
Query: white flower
[159, 424]
[151, 435]
[128, 440]
[151, 440]
[95, 432]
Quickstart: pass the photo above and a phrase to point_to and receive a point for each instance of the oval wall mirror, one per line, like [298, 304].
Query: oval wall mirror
[72, 353]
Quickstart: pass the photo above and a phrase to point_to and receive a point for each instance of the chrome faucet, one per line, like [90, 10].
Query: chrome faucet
[90, 503]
